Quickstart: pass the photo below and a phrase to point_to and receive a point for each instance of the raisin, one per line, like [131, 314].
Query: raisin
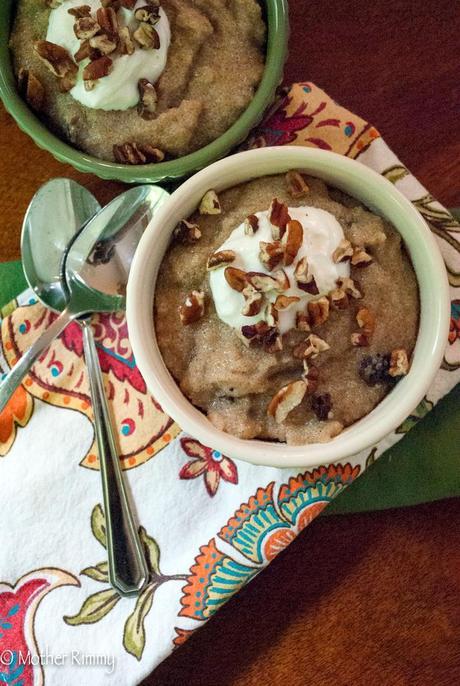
[322, 405]
[373, 369]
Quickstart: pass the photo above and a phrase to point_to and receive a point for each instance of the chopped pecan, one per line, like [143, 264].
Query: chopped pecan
[343, 252]
[279, 217]
[57, 59]
[251, 225]
[301, 271]
[236, 278]
[271, 254]
[125, 41]
[253, 301]
[350, 287]
[322, 406]
[81, 11]
[287, 399]
[318, 311]
[297, 187]
[284, 302]
[147, 99]
[360, 258]
[132, 153]
[302, 321]
[86, 27]
[193, 308]
[271, 315]
[338, 299]
[210, 203]
[97, 69]
[311, 377]
[294, 238]
[311, 347]
[108, 21]
[221, 258]
[283, 279]
[103, 44]
[366, 320]
[148, 13]
[84, 52]
[31, 89]
[147, 36]
[399, 363]
[187, 233]
[262, 282]
[360, 339]
[127, 4]
[262, 334]
[309, 287]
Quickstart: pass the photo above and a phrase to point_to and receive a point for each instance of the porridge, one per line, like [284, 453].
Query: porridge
[285, 310]
[135, 80]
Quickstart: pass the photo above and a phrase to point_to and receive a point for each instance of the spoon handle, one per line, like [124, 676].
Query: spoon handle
[128, 570]
[16, 374]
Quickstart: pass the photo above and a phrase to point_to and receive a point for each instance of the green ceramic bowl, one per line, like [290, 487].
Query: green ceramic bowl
[277, 21]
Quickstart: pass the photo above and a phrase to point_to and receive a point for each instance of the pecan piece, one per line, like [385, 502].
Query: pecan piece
[262, 334]
[102, 44]
[125, 41]
[31, 89]
[271, 315]
[132, 153]
[147, 36]
[283, 279]
[284, 302]
[271, 254]
[210, 203]
[251, 225]
[85, 27]
[350, 287]
[309, 287]
[147, 99]
[57, 59]
[338, 299]
[97, 69]
[279, 217]
[294, 238]
[343, 252]
[127, 4]
[108, 21]
[287, 399]
[81, 11]
[322, 406]
[262, 282]
[366, 320]
[359, 339]
[149, 14]
[360, 258]
[301, 271]
[236, 278]
[399, 363]
[311, 347]
[297, 187]
[187, 233]
[318, 311]
[193, 308]
[253, 301]
[221, 258]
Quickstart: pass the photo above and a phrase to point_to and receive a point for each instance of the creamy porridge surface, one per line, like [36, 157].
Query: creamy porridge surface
[203, 59]
[336, 351]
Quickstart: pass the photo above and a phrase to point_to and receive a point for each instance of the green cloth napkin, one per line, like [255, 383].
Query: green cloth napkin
[421, 468]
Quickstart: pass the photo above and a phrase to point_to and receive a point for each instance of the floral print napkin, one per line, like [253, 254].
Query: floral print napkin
[208, 523]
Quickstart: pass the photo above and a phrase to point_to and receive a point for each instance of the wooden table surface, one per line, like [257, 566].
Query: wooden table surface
[363, 599]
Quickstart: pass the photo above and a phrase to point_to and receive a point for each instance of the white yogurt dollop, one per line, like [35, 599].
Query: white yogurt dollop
[118, 90]
[322, 234]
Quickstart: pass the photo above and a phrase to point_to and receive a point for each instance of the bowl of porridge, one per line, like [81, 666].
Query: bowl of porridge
[132, 89]
[288, 306]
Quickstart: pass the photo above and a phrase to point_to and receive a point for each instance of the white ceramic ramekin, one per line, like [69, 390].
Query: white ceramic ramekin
[380, 196]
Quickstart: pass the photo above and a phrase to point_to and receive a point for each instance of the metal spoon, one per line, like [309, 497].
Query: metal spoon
[96, 270]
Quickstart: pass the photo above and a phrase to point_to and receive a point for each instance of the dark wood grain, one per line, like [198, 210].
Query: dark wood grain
[368, 600]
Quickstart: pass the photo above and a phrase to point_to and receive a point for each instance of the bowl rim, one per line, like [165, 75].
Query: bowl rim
[276, 52]
[378, 194]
